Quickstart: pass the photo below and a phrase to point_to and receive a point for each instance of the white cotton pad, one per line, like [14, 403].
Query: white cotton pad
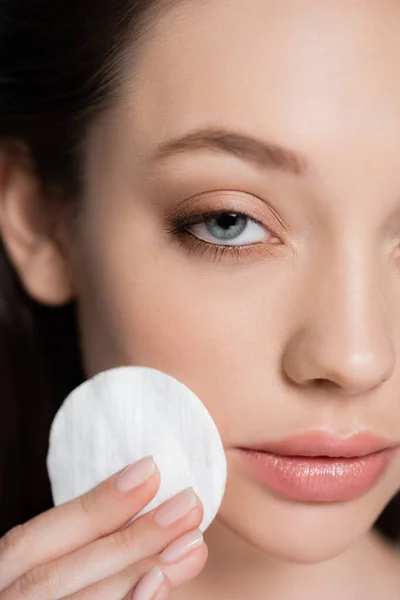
[123, 414]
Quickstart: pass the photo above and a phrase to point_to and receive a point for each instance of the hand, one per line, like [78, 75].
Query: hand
[87, 549]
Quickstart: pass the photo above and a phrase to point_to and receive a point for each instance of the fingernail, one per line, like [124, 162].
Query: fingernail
[176, 508]
[149, 585]
[182, 546]
[134, 475]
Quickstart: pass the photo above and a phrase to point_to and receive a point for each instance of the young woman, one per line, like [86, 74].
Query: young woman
[211, 189]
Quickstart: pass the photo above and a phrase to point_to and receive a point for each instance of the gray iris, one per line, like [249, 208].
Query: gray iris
[226, 226]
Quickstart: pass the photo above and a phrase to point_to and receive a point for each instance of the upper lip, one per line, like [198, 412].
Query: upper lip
[322, 443]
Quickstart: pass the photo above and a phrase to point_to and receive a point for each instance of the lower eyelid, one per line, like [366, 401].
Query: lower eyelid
[197, 246]
[228, 255]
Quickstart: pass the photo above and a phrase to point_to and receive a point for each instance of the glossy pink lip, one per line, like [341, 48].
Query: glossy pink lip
[320, 467]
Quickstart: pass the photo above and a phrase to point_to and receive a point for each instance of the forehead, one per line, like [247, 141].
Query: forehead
[276, 64]
[320, 78]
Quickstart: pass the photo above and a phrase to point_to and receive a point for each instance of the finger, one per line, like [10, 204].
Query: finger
[122, 585]
[110, 555]
[67, 527]
[153, 586]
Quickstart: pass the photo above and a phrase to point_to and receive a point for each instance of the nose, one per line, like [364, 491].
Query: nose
[342, 338]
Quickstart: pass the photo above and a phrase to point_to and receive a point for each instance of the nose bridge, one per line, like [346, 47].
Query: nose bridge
[345, 333]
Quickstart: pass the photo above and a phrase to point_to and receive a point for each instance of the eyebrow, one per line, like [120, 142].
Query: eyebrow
[258, 152]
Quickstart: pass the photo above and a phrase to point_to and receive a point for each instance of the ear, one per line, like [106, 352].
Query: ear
[30, 229]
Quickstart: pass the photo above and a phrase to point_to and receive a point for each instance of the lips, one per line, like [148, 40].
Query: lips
[319, 467]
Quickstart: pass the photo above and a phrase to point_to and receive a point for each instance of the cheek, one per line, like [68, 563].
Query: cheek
[218, 332]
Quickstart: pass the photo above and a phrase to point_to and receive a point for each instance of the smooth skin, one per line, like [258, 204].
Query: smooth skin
[296, 325]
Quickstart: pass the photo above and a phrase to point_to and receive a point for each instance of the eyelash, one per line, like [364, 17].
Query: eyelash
[178, 228]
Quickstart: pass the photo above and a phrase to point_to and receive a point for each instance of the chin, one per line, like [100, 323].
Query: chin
[293, 531]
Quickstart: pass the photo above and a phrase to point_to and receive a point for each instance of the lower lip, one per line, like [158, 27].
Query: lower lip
[317, 479]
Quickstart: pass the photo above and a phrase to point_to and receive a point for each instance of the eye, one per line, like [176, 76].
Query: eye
[228, 229]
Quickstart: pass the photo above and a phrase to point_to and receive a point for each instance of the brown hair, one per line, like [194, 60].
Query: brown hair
[60, 65]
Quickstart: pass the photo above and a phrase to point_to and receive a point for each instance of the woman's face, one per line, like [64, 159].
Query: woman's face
[286, 321]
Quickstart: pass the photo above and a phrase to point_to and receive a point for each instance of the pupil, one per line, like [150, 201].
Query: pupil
[226, 221]
[226, 226]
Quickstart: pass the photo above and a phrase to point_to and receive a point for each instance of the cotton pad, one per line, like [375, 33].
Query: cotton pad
[123, 414]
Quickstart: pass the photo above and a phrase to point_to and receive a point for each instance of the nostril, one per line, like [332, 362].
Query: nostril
[327, 383]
